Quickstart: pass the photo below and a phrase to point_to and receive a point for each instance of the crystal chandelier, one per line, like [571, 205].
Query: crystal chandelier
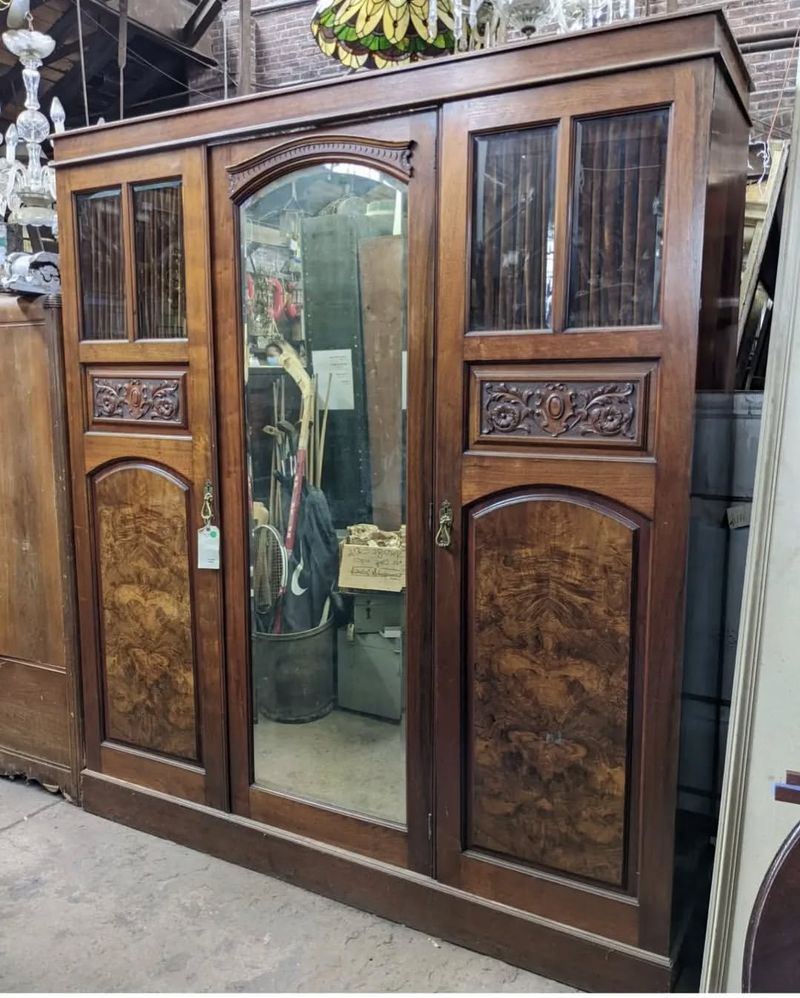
[487, 23]
[28, 190]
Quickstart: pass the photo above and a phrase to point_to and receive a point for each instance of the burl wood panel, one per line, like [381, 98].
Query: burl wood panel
[550, 639]
[142, 554]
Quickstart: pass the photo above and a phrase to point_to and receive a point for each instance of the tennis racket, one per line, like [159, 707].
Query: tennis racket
[270, 570]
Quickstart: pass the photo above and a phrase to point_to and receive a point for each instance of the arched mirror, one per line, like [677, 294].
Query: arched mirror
[323, 271]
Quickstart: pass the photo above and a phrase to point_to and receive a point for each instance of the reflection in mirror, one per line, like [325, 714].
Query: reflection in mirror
[324, 308]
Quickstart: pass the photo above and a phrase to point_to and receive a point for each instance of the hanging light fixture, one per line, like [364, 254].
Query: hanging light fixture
[27, 185]
[291, 215]
[27, 189]
[488, 23]
[379, 33]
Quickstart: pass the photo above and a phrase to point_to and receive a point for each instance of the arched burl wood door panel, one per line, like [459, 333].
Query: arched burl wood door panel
[142, 550]
[550, 636]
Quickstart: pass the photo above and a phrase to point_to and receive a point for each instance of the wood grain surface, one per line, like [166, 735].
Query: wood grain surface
[550, 640]
[143, 572]
[383, 304]
[504, 880]
[39, 727]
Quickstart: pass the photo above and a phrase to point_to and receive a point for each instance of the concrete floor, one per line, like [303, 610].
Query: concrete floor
[88, 905]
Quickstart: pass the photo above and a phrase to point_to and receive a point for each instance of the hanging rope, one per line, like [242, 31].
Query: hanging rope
[83, 61]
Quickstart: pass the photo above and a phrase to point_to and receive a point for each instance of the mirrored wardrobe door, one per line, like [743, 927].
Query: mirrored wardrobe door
[324, 322]
[333, 400]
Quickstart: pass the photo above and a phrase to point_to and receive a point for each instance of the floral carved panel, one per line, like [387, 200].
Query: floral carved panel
[159, 398]
[580, 411]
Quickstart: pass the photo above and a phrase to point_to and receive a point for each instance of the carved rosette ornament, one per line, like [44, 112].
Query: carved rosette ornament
[137, 399]
[559, 409]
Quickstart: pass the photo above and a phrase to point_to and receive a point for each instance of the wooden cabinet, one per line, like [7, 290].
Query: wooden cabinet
[39, 701]
[513, 268]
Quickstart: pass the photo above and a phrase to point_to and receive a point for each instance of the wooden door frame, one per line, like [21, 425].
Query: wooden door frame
[718, 958]
[410, 846]
[186, 452]
[642, 916]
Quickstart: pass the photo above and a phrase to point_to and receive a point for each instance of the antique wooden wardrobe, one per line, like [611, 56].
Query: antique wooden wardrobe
[508, 272]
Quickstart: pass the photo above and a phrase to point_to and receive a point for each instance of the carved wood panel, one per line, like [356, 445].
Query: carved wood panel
[391, 157]
[138, 398]
[550, 636]
[588, 406]
[143, 572]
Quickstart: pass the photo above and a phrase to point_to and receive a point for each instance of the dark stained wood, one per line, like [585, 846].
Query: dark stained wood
[257, 171]
[140, 352]
[185, 455]
[586, 406]
[682, 274]
[723, 247]
[133, 398]
[143, 580]
[772, 947]
[653, 483]
[635, 487]
[184, 780]
[341, 829]
[787, 794]
[653, 42]
[789, 790]
[550, 585]
[39, 711]
[581, 959]
[380, 840]
[589, 897]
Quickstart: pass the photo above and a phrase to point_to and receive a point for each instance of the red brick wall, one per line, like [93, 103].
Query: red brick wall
[773, 72]
[284, 51]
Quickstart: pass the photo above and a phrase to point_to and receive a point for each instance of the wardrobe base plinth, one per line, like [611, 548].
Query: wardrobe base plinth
[577, 958]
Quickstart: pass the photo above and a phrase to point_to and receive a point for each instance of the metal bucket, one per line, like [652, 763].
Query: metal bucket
[293, 674]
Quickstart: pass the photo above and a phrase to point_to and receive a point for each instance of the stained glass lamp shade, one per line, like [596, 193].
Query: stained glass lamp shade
[374, 34]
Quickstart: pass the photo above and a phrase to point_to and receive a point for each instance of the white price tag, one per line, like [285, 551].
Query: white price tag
[208, 539]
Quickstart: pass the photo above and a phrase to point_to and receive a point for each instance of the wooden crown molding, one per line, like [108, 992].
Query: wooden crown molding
[248, 176]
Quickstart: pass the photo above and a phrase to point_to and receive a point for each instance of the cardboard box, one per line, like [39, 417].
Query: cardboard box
[372, 568]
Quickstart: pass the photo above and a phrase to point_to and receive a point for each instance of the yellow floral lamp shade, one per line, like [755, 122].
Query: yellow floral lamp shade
[374, 34]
